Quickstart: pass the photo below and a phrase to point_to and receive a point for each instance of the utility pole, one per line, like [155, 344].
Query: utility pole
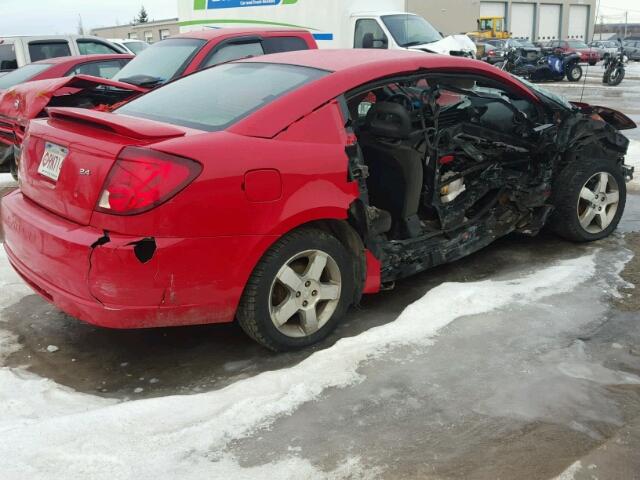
[626, 21]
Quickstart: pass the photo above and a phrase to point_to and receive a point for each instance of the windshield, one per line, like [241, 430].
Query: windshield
[543, 92]
[136, 47]
[215, 98]
[161, 61]
[577, 44]
[21, 75]
[409, 30]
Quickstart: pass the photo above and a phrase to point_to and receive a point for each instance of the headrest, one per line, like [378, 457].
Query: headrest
[389, 120]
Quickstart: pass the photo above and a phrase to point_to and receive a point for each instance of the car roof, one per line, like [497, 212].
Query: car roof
[350, 69]
[213, 33]
[84, 58]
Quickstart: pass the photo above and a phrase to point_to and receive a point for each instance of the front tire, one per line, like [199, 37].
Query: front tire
[589, 198]
[616, 76]
[574, 73]
[298, 292]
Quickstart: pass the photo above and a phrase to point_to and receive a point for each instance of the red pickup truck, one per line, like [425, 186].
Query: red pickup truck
[590, 55]
[162, 62]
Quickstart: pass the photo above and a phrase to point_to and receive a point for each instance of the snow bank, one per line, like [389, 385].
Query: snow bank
[186, 436]
[6, 180]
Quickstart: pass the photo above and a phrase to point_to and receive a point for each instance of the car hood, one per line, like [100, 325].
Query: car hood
[27, 100]
[616, 119]
[452, 43]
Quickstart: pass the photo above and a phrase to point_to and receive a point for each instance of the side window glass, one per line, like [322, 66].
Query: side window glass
[283, 44]
[234, 51]
[90, 47]
[8, 60]
[369, 34]
[103, 69]
[44, 50]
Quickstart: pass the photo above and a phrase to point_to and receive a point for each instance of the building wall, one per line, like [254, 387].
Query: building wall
[457, 16]
[448, 16]
[150, 31]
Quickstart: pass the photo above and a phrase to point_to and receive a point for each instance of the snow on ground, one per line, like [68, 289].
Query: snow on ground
[48, 431]
[6, 180]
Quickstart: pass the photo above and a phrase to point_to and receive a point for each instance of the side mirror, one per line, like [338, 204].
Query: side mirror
[367, 40]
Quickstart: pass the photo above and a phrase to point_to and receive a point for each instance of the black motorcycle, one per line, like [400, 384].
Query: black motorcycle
[554, 66]
[614, 69]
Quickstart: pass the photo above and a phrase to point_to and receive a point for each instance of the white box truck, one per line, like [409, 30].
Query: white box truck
[334, 23]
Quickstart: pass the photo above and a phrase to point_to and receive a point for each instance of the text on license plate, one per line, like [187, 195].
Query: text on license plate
[52, 160]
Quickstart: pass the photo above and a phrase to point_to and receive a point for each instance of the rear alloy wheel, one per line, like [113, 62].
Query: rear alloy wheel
[589, 197]
[298, 291]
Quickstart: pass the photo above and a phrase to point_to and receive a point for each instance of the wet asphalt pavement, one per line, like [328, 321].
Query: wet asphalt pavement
[525, 391]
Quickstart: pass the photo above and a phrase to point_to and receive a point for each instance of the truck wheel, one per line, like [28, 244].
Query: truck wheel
[298, 292]
[589, 198]
[574, 74]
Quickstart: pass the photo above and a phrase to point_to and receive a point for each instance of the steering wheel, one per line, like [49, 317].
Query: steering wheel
[402, 99]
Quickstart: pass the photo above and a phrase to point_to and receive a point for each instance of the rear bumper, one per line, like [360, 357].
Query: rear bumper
[100, 278]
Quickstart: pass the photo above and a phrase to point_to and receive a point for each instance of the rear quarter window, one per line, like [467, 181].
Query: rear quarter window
[43, 50]
[216, 98]
[283, 44]
[8, 60]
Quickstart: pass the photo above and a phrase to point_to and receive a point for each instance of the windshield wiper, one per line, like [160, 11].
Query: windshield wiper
[413, 44]
[143, 80]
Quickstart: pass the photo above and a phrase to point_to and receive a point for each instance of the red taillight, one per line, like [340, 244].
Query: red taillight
[142, 179]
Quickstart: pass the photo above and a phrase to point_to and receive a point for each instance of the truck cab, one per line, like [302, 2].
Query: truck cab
[18, 51]
[381, 24]
[405, 31]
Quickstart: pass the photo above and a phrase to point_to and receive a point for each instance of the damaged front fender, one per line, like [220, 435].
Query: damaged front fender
[616, 119]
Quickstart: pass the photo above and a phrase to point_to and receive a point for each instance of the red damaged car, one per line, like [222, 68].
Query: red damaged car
[276, 191]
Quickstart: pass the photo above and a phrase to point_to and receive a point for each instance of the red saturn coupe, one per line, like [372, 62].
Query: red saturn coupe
[276, 191]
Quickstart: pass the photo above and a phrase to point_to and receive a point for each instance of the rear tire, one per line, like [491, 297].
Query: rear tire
[298, 292]
[574, 73]
[587, 208]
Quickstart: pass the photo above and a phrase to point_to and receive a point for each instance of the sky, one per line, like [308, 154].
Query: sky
[35, 17]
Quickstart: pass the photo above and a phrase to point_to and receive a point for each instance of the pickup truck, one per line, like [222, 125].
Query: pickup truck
[160, 63]
[18, 51]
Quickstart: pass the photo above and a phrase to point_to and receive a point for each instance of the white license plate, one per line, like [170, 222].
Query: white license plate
[52, 159]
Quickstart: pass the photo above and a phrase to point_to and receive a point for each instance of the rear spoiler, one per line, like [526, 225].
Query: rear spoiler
[124, 125]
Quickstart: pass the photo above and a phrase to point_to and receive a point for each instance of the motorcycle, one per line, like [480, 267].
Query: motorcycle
[553, 67]
[614, 69]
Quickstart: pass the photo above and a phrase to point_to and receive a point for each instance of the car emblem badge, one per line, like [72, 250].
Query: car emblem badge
[16, 104]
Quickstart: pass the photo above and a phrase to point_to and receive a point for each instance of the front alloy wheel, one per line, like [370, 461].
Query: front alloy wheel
[598, 202]
[589, 197]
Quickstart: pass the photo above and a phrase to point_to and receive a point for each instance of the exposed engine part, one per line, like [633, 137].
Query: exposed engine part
[451, 191]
